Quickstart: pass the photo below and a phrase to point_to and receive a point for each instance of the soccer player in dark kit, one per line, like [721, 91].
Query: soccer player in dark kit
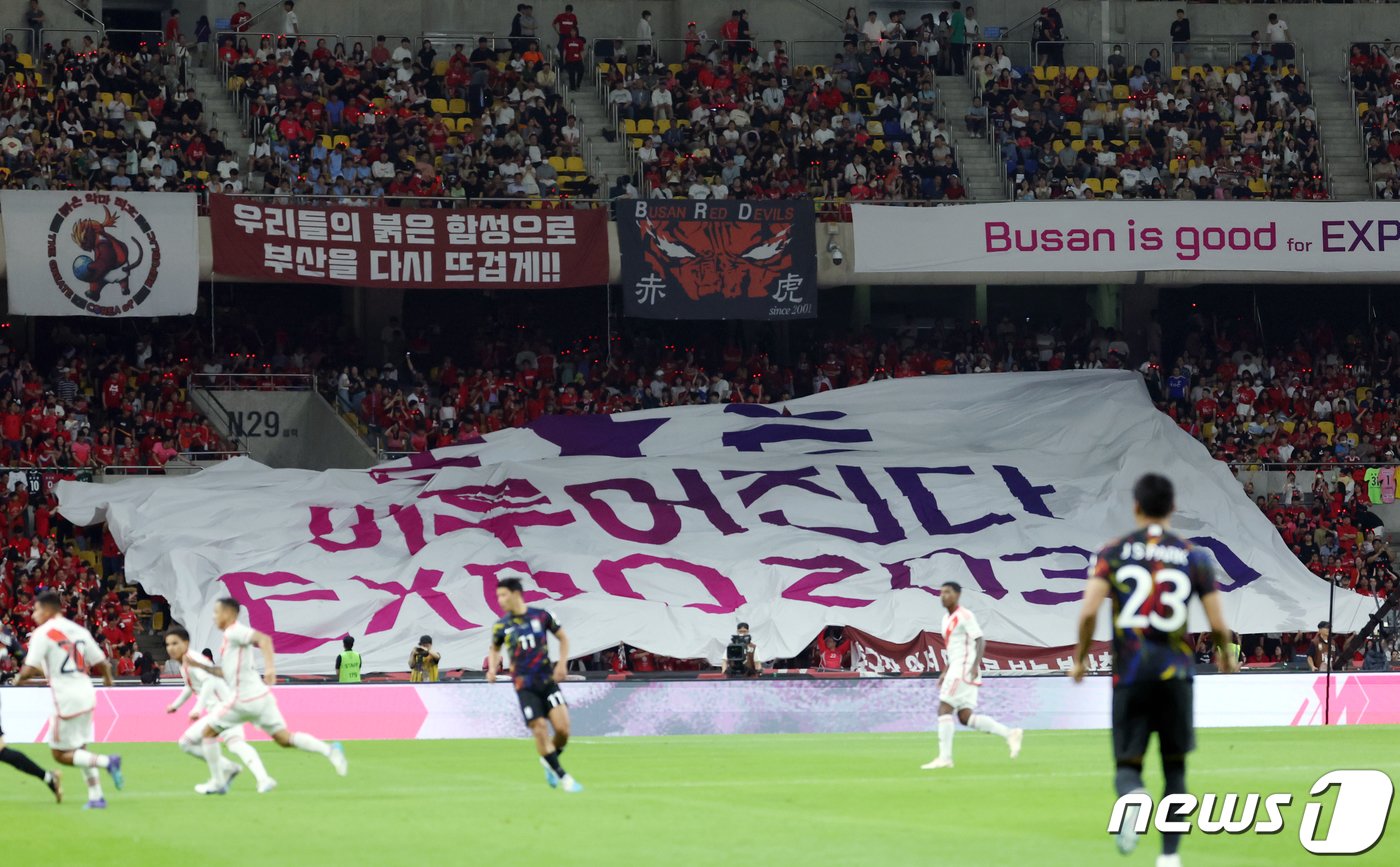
[524, 633]
[1152, 575]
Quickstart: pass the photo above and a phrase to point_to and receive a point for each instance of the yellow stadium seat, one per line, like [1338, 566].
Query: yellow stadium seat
[1259, 187]
[575, 164]
[457, 106]
[342, 141]
[1178, 72]
[1038, 72]
[126, 98]
[1362, 107]
[646, 126]
[1110, 185]
[439, 106]
[1198, 70]
[1290, 426]
[1121, 91]
[1074, 128]
[875, 128]
[557, 162]
[663, 126]
[675, 68]
[1329, 429]
[1094, 184]
[1077, 144]
[605, 68]
[1071, 71]
[26, 61]
[629, 126]
[1363, 393]
[1052, 73]
[104, 97]
[1092, 72]
[439, 68]
[465, 124]
[636, 143]
[862, 91]
[878, 145]
[327, 142]
[1057, 145]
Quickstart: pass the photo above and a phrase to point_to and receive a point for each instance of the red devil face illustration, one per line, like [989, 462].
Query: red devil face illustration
[735, 260]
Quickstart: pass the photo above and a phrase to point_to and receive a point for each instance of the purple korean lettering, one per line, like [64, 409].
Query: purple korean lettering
[1032, 497]
[424, 586]
[825, 569]
[260, 615]
[791, 429]
[514, 501]
[885, 530]
[554, 586]
[910, 482]
[612, 578]
[902, 574]
[365, 529]
[665, 513]
[1053, 597]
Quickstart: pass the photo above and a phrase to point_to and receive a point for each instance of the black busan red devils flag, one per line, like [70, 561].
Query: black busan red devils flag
[724, 259]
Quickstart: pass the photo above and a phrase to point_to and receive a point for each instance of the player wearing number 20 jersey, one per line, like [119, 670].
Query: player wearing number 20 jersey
[1153, 575]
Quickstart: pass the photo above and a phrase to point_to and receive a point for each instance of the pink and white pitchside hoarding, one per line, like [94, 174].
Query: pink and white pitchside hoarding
[478, 710]
[1106, 236]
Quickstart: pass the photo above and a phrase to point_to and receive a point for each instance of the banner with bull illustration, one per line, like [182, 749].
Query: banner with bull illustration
[717, 259]
[665, 528]
[113, 255]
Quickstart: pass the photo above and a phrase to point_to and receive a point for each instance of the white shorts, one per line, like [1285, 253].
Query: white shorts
[261, 712]
[195, 733]
[73, 733]
[958, 693]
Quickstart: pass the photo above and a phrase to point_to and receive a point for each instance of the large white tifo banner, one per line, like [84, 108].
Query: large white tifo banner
[101, 254]
[665, 528]
[1307, 237]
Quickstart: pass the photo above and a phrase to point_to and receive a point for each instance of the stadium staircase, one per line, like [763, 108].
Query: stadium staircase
[1341, 139]
[980, 172]
[222, 114]
[609, 157]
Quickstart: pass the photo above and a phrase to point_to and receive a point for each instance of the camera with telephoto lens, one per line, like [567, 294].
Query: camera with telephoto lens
[737, 653]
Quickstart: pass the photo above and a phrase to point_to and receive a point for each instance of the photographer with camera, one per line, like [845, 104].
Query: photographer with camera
[741, 656]
[423, 662]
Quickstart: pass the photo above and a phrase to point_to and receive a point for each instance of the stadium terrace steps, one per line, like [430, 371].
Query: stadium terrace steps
[220, 113]
[979, 170]
[1341, 140]
[609, 158]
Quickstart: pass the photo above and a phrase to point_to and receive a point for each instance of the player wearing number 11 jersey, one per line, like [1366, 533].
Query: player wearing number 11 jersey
[524, 632]
[1151, 575]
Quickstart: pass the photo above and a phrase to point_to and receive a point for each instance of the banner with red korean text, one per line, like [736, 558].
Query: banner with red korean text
[1120, 236]
[926, 652]
[112, 255]
[409, 248]
[717, 259]
[664, 528]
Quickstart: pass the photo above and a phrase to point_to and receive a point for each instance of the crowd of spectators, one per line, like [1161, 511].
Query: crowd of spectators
[735, 118]
[83, 115]
[1241, 131]
[1375, 85]
[408, 120]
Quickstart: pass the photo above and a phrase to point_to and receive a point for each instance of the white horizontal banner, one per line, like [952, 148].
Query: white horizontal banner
[665, 528]
[1106, 236]
[113, 255]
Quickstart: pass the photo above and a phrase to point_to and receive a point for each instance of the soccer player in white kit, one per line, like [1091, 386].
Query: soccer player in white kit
[961, 678]
[67, 655]
[252, 700]
[210, 692]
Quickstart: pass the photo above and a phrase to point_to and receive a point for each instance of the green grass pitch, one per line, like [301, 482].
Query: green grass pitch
[698, 800]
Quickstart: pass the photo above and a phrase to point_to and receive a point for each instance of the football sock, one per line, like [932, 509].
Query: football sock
[94, 783]
[311, 743]
[945, 737]
[1128, 779]
[22, 763]
[215, 759]
[193, 748]
[983, 723]
[85, 759]
[553, 761]
[1175, 772]
[250, 758]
